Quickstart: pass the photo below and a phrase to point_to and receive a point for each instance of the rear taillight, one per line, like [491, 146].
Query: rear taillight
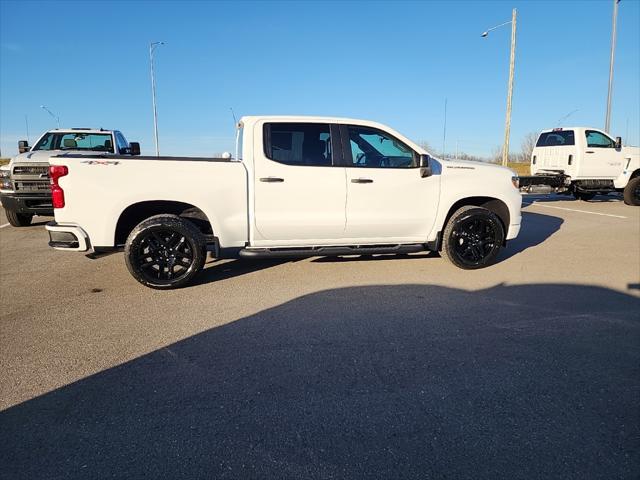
[57, 194]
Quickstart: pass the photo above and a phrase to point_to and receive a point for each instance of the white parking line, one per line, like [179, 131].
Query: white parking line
[5, 225]
[573, 210]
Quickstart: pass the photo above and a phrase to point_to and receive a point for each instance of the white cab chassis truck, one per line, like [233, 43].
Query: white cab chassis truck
[298, 186]
[583, 161]
[24, 184]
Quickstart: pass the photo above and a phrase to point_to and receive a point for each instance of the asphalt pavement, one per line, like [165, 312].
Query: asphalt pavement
[361, 367]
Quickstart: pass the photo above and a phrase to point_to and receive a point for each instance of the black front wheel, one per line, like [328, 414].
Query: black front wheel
[472, 238]
[18, 219]
[165, 252]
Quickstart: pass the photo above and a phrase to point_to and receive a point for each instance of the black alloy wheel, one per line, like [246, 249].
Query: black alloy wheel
[165, 252]
[473, 237]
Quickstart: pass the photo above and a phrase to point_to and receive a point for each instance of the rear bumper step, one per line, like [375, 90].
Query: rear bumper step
[331, 251]
[67, 237]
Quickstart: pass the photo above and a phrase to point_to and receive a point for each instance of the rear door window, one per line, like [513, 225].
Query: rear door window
[298, 143]
[555, 139]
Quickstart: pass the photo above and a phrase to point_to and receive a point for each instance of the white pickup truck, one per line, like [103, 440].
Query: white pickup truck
[584, 161]
[24, 184]
[297, 186]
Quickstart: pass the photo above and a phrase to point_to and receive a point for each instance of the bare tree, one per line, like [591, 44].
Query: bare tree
[527, 146]
[427, 146]
[496, 155]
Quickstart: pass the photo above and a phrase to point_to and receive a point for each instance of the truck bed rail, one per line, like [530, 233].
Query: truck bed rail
[146, 157]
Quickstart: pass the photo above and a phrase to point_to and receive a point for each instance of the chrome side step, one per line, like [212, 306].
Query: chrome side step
[331, 251]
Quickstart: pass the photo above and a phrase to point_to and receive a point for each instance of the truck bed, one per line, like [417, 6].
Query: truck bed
[99, 188]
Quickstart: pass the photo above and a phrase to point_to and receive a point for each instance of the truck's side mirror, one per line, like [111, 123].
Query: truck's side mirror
[23, 146]
[618, 143]
[425, 166]
[134, 148]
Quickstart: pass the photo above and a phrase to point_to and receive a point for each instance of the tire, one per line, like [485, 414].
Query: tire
[472, 238]
[165, 252]
[18, 219]
[631, 192]
[585, 197]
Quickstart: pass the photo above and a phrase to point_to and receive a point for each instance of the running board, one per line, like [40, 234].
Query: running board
[330, 251]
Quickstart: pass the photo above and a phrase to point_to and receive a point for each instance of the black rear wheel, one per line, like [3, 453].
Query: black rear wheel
[18, 219]
[472, 238]
[632, 192]
[165, 251]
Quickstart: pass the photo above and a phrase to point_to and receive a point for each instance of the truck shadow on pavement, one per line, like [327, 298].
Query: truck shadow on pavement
[403, 381]
[224, 269]
[536, 228]
[611, 198]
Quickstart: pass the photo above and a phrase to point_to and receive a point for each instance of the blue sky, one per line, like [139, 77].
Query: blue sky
[394, 62]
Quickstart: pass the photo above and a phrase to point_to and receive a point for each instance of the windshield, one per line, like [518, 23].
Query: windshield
[97, 142]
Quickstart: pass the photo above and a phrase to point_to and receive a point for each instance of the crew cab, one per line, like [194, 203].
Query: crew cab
[297, 186]
[584, 161]
[24, 185]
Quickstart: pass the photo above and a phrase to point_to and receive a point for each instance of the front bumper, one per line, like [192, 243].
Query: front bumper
[27, 204]
[68, 237]
[514, 230]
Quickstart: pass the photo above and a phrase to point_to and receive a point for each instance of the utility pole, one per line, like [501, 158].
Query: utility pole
[607, 121]
[512, 66]
[152, 47]
[444, 129]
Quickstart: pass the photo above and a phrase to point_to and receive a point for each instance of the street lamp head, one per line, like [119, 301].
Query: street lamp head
[42, 106]
[484, 34]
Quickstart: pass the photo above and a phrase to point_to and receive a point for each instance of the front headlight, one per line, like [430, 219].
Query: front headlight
[516, 181]
[5, 182]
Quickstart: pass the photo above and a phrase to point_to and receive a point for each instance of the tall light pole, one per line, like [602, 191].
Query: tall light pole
[607, 121]
[57, 118]
[512, 65]
[152, 47]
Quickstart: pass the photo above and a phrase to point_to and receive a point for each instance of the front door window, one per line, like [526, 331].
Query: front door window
[373, 148]
[598, 140]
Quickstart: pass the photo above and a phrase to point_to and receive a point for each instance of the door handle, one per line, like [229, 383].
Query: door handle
[589, 151]
[361, 180]
[272, 179]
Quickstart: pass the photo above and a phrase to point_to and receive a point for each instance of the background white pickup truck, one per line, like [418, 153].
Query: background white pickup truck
[298, 186]
[584, 161]
[24, 184]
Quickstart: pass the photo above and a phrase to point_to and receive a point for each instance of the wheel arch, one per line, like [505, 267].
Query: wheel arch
[137, 212]
[495, 205]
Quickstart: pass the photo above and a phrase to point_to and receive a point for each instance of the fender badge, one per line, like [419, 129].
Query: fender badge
[100, 162]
